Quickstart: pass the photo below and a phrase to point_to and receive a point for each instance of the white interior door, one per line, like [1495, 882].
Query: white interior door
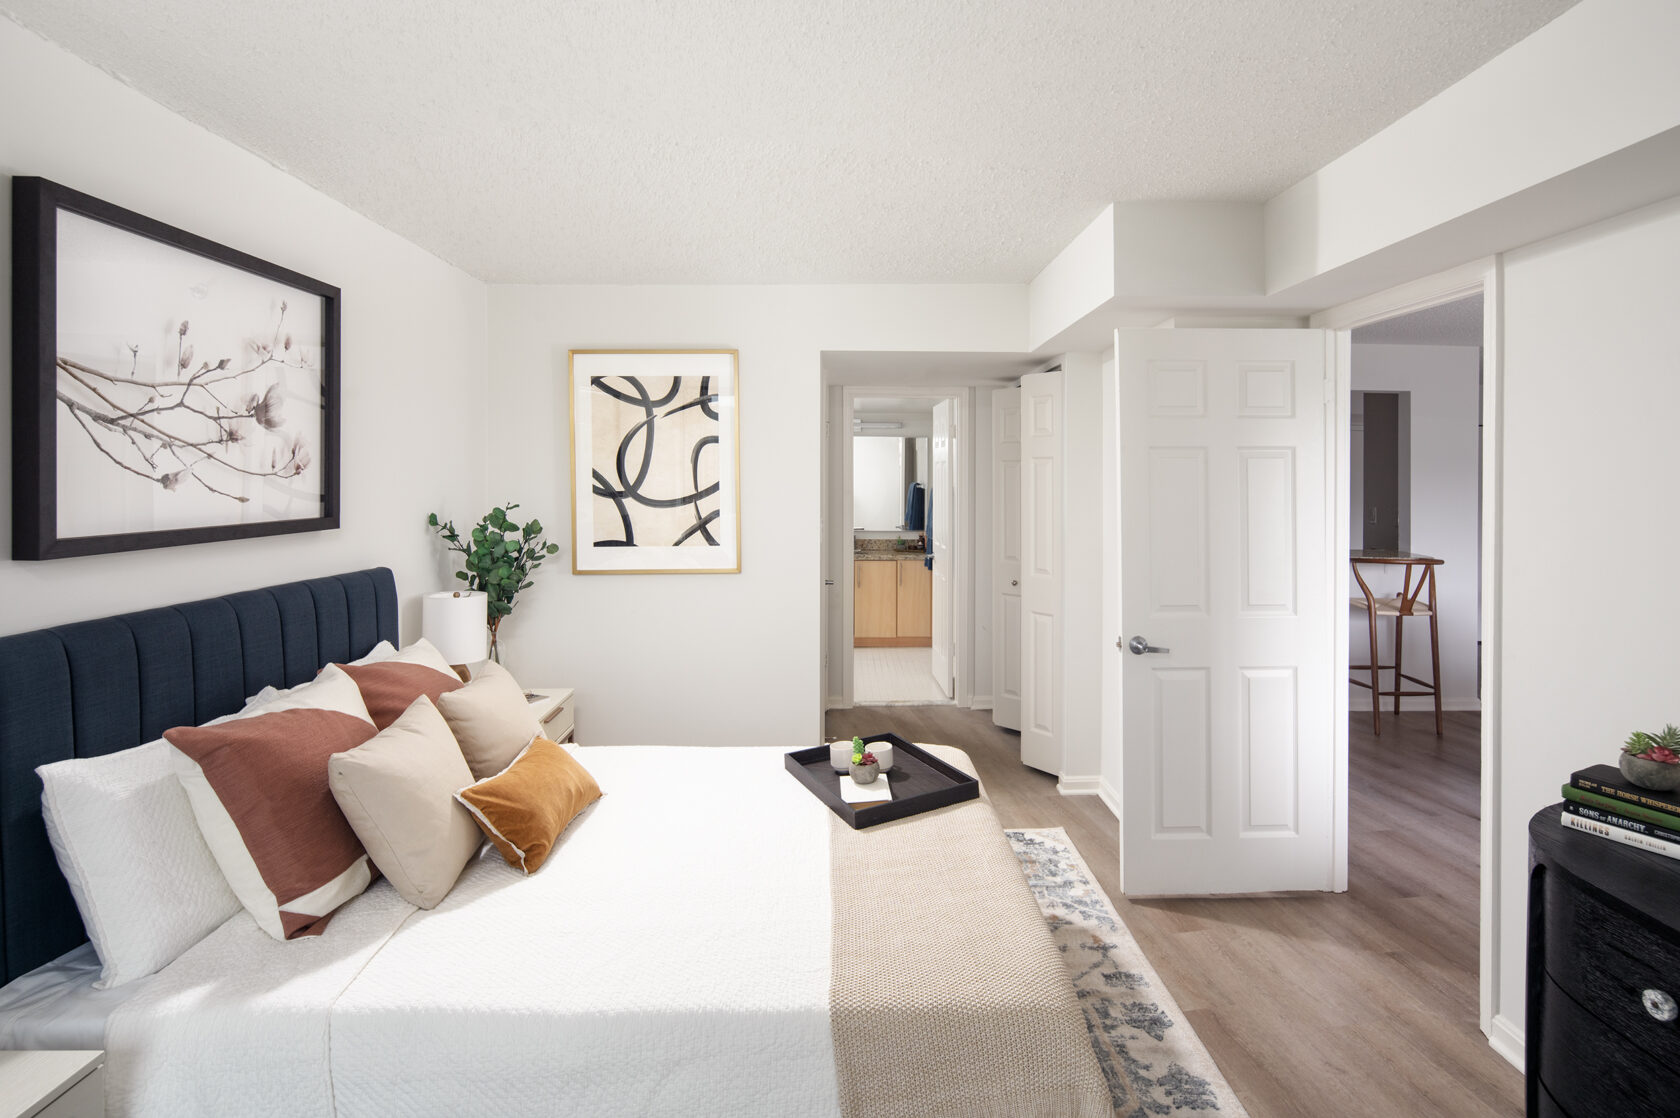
[1228, 754]
[1041, 571]
[940, 495]
[1006, 557]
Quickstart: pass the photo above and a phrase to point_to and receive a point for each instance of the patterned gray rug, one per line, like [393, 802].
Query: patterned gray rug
[1153, 1060]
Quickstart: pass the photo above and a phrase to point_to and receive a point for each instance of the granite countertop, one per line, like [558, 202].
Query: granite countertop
[873, 555]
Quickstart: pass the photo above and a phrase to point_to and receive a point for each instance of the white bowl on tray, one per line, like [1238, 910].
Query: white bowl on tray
[840, 755]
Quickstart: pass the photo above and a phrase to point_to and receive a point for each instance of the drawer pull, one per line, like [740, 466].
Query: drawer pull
[1660, 1005]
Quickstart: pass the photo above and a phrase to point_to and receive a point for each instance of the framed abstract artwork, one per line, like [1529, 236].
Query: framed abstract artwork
[166, 389]
[656, 460]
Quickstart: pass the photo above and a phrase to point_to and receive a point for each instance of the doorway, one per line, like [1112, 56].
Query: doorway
[903, 550]
[1415, 488]
[1458, 308]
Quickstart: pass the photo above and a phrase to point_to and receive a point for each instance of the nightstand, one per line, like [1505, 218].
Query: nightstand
[52, 1084]
[557, 712]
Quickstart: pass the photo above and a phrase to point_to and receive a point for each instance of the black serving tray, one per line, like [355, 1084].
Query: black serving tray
[920, 782]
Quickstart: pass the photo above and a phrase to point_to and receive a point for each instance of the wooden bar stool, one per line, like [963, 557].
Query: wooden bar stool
[1399, 608]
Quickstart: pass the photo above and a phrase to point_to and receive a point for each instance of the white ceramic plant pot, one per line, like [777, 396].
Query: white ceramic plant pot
[840, 756]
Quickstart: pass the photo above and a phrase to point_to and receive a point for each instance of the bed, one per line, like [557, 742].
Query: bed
[674, 956]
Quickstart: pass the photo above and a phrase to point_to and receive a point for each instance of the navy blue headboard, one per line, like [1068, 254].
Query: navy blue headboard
[95, 687]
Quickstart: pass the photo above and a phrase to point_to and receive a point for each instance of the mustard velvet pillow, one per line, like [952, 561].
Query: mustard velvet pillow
[524, 808]
[490, 719]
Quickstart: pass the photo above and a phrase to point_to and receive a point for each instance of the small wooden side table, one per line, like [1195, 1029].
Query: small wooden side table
[1401, 607]
[52, 1084]
[556, 709]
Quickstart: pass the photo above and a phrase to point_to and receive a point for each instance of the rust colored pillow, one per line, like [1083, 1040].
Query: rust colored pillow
[390, 687]
[524, 808]
[258, 788]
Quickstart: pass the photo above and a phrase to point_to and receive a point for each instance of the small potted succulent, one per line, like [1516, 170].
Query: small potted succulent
[1653, 760]
[864, 766]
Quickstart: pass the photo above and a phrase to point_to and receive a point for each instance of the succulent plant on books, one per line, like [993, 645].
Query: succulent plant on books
[1653, 760]
[1663, 746]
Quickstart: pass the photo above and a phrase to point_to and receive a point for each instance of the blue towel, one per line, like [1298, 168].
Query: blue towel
[914, 506]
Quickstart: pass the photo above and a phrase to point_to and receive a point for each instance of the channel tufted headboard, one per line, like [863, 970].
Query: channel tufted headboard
[94, 687]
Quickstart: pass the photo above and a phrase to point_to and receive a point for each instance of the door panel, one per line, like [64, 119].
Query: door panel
[940, 492]
[1006, 557]
[1041, 571]
[1228, 747]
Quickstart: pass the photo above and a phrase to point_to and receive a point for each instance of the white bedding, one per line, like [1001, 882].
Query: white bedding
[642, 971]
[56, 1006]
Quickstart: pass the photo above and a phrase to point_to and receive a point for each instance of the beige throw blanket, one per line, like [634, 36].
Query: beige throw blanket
[948, 996]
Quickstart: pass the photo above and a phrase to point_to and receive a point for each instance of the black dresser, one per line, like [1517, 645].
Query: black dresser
[1603, 976]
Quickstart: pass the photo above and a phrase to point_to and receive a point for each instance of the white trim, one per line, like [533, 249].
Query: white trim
[1484, 276]
[835, 702]
[1079, 785]
[1508, 1040]
[980, 702]
[1110, 796]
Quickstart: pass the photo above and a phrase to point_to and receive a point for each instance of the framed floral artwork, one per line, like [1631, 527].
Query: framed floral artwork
[167, 389]
[656, 458]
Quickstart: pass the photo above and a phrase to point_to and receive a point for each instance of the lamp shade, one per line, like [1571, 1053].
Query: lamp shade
[456, 622]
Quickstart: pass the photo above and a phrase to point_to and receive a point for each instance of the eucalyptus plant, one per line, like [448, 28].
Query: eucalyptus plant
[501, 556]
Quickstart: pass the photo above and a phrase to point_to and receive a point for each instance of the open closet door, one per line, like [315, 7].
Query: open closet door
[1006, 557]
[1229, 744]
[939, 523]
[1041, 571]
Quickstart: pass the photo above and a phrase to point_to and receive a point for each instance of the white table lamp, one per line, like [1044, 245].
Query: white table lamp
[456, 622]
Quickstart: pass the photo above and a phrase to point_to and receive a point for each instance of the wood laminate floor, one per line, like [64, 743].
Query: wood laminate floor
[1335, 1005]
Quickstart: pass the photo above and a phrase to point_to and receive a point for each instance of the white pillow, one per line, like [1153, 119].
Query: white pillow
[131, 848]
[424, 653]
[145, 881]
[381, 651]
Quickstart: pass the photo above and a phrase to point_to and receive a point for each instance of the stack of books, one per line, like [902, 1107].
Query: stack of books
[1601, 801]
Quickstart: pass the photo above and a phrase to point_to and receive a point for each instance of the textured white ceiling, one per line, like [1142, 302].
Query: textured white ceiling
[627, 141]
[1455, 323]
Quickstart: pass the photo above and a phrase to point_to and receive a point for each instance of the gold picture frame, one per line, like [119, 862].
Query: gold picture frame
[649, 496]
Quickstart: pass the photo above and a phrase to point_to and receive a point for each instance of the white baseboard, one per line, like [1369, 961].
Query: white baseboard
[980, 702]
[1360, 700]
[835, 702]
[1506, 1039]
[1079, 785]
[1110, 798]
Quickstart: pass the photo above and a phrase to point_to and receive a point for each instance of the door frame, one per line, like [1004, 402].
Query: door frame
[1483, 276]
[838, 542]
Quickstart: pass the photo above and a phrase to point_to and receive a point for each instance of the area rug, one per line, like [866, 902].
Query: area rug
[1153, 1060]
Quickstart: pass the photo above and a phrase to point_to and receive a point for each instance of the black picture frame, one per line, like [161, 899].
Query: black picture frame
[36, 203]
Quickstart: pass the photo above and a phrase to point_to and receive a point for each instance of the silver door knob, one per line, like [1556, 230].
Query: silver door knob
[1660, 1004]
[1014, 582]
[1141, 645]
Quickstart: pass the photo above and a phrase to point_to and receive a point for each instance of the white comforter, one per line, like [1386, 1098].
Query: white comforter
[671, 958]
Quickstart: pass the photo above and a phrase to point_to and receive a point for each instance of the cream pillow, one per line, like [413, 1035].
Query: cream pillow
[490, 719]
[398, 792]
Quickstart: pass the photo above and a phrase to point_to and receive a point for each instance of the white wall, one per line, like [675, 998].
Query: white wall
[1445, 517]
[703, 659]
[414, 427]
[1591, 392]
